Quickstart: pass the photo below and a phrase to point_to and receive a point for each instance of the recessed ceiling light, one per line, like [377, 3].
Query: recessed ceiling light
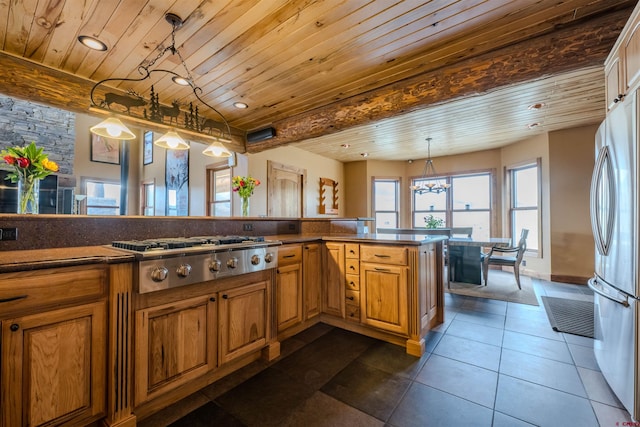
[536, 106]
[533, 125]
[364, 154]
[92, 43]
[241, 105]
[345, 145]
[180, 81]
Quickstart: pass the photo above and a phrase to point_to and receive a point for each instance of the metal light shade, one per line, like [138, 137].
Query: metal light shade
[112, 128]
[171, 141]
[216, 150]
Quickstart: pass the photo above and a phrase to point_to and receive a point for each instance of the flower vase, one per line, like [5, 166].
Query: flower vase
[28, 195]
[245, 206]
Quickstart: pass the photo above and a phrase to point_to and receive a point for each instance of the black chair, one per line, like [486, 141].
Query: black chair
[510, 257]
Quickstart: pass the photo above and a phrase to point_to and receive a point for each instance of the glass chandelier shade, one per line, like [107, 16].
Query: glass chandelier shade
[112, 128]
[429, 182]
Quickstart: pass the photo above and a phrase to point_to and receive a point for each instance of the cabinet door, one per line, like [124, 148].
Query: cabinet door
[312, 279]
[334, 278]
[383, 297]
[175, 343]
[613, 83]
[53, 367]
[429, 310]
[289, 295]
[243, 320]
[631, 52]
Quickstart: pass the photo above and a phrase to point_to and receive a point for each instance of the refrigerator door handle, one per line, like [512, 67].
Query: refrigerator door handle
[597, 283]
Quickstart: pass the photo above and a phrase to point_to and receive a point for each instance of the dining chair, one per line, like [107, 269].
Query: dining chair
[510, 257]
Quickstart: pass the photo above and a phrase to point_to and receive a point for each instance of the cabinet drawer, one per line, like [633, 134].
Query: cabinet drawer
[352, 266]
[352, 281]
[384, 254]
[351, 250]
[352, 297]
[353, 313]
[50, 287]
[289, 254]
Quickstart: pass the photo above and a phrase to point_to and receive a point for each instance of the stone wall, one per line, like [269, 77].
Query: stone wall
[51, 128]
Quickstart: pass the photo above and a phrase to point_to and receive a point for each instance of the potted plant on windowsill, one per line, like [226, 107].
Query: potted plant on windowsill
[431, 221]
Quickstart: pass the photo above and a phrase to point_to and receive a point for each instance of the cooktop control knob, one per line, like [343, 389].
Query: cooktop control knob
[214, 265]
[255, 260]
[184, 270]
[232, 262]
[268, 257]
[158, 274]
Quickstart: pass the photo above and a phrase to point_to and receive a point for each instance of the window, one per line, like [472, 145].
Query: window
[219, 191]
[525, 199]
[103, 196]
[385, 202]
[148, 198]
[467, 203]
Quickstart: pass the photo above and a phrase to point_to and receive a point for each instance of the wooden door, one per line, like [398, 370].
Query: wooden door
[384, 297]
[53, 367]
[333, 293]
[243, 320]
[175, 343]
[289, 295]
[312, 279]
[286, 190]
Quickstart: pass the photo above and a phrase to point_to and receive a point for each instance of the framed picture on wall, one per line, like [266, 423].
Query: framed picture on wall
[177, 182]
[148, 147]
[105, 150]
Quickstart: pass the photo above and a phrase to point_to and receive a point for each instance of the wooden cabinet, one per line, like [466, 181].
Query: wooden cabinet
[243, 320]
[54, 346]
[312, 279]
[289, 293]
[352, 282]
[333, 294]
[430, 305]
[175, 343]
[384, 302]
[622, 67]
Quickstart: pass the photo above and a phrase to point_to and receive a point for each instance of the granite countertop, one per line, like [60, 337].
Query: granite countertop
[25, 260]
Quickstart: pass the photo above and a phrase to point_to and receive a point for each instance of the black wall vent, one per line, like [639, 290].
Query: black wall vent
[261, 135]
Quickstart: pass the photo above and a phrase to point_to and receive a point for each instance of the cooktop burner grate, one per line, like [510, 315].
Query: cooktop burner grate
[182, 242]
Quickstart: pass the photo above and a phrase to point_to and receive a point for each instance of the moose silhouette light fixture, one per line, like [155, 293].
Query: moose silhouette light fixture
[187, 117]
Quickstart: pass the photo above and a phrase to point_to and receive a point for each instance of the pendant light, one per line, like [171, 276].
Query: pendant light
[429, 183]
[171, 141]
[112, 128]
[216, 150]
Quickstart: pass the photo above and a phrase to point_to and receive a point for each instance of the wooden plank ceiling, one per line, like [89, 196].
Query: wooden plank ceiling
[310, 68]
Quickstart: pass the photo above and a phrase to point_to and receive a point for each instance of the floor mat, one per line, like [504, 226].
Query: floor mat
[570, 316]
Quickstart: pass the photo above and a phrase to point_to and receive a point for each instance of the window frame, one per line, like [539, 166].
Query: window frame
[85, 206]
[397, 181]
[211, 170]
[511, 188]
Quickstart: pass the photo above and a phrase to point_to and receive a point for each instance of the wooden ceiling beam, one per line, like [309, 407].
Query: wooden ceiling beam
[574, 47]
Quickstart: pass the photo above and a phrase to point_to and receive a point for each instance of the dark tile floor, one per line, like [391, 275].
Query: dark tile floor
[491, 363]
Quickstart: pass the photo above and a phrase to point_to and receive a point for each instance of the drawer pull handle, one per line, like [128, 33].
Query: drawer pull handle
[352, 267]
[14, 327]
[381, 269]
[351, 298]
[13, 298]
[288, 256]
[382, 256]
[212, 299]
[352, 283]
[225, 296]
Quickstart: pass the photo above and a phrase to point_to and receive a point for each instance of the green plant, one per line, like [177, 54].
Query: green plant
[431, 221]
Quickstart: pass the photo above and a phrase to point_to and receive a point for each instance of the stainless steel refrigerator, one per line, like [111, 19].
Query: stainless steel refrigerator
[615, 222]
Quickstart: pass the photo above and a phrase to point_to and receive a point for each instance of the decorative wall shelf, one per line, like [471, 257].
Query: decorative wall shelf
[324, 209]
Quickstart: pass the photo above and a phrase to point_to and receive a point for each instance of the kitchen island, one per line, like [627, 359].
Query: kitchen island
[389, 287]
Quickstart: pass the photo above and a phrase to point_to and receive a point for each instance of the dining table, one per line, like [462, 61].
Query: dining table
[465, 261]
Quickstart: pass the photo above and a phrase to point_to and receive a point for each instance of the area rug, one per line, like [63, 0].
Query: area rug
[502, 286]
[570, 316]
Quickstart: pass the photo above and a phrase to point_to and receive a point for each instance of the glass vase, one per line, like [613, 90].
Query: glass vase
[28, 195]
[245, 206]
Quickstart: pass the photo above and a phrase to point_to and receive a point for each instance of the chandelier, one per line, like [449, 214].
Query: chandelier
[429, 183]
[187, 118]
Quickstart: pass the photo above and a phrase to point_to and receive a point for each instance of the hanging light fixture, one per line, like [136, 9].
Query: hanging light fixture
[112, 128]
[429, 183]
[155, 112]
[216, 150]
[171, 141]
